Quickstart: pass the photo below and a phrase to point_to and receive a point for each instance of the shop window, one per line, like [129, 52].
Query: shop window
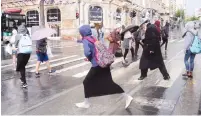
[53, 15]
[95, 14]
[32, 18]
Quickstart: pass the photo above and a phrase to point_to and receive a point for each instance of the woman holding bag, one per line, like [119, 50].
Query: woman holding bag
[41, 52]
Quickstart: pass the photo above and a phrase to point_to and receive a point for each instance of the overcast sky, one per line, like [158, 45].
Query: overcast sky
[191, 5]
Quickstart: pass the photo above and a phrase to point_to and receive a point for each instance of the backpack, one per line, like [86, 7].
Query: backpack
[42, 47]
[103, 56]
[25, 44]
[196, 45]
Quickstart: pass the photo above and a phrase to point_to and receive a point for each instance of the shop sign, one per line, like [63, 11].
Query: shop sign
[95, 14]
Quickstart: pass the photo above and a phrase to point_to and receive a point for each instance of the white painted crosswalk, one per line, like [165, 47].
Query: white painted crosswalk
[59, 64]
[76, 67]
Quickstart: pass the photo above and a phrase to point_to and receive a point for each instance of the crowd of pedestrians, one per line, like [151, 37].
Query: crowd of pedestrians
[98, 81]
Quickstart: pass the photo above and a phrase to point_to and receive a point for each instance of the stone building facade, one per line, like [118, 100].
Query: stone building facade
[61, 15]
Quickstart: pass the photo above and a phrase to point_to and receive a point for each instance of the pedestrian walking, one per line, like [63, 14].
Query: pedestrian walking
[139, 36]
[101, 34]
[94, 30]
[14, 51]
[165, 35]
[189, 37]
[114, 39]
[23, 45]
[98, 81]
[127, 44]
[41, 52]
[152, 56]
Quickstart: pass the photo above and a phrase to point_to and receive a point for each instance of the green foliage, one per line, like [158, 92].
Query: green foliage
[180, 13]
[193, 18]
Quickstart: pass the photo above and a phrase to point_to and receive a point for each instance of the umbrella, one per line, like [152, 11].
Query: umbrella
[43, 33]
[131, 28]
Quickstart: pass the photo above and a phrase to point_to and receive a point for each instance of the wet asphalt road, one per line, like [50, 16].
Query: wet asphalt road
[57, 94]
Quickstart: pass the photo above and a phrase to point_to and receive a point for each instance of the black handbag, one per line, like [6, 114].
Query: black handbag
[118, 52]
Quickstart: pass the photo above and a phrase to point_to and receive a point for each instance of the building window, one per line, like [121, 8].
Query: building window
[118, 15]
[32, 18]
[53, 15]
[95, 14]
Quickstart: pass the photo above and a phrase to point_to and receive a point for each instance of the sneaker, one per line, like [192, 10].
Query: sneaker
[186, 74]
[52, 72]
[190, 75]
[83, 105]
[24, 85]
[37, 75]
[128, 101]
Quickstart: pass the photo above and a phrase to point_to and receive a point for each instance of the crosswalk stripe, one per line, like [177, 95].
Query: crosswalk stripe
[58, 64]
[29, 66]
[4, 66]
[174, 74]
[72, 67]
[172, 41]
[181, 40]
[84, 73]
[64, 46]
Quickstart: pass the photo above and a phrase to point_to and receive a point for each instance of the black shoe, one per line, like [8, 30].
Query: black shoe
[37, 75]
[141, 78]
[167, 78]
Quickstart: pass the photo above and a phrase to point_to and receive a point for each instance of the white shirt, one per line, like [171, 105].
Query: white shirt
[127, 35]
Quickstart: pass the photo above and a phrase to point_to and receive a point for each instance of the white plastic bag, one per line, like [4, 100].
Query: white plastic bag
[9, 49]
[49, 52]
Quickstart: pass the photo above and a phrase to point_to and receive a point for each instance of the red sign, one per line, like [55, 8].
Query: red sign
[13, 10]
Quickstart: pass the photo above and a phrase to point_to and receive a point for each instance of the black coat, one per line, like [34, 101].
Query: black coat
[151, 56]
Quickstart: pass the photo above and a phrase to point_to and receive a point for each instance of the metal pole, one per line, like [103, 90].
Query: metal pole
[42, 15]
[79, 1]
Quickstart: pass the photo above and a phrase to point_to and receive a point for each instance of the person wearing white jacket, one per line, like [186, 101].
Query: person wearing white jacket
[14, 51]
[127, 44]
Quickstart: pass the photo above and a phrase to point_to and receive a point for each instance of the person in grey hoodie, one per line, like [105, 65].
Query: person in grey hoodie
[191, 31]
[22, 58]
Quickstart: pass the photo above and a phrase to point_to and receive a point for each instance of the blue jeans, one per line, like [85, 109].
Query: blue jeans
[189, 65]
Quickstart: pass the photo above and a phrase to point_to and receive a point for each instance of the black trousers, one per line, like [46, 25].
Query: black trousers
[165, 41]
[126, 52]
[162, 69]
[22, 60]
[137, 45]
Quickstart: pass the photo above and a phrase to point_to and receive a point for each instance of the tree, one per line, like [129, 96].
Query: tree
[180, 14]
[193, 18]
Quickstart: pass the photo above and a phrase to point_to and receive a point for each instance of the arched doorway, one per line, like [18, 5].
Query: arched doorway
[54, 19]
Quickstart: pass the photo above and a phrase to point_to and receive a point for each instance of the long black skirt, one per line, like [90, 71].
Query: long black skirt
[98, 82]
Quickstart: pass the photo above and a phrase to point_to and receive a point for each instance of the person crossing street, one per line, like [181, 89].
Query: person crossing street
[152, 56]
[165, 35]
[98, 81]
[41, 52]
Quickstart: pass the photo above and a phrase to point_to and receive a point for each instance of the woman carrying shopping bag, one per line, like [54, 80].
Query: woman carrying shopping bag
[98, 81]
